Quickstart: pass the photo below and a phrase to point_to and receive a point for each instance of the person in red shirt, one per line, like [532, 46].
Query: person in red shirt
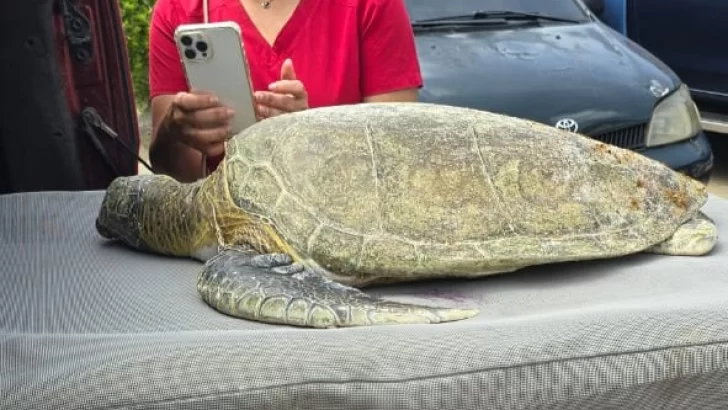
[302, 54]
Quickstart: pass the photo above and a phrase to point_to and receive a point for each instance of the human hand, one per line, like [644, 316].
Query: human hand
[286, 95]
[199, 120]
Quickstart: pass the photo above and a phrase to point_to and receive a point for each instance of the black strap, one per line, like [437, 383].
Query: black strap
[92, 123]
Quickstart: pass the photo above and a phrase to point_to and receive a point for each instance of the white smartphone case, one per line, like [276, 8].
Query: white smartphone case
[214, 60]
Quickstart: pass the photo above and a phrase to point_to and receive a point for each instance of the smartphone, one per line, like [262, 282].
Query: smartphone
[214, 61]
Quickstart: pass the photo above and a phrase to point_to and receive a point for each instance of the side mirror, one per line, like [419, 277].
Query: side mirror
[596, 6]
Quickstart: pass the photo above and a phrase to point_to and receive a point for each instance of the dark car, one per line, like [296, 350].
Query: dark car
[556, 63]
[687, 36]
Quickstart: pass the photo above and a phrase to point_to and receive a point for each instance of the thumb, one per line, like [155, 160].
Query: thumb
[287, 72]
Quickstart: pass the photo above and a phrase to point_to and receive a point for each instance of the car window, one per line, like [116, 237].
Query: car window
[426, 9]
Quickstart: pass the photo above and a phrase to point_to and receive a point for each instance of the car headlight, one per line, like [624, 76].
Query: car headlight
[675, 118]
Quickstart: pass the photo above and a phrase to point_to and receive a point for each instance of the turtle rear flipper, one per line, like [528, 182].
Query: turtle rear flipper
[270, 288]
[696, 237]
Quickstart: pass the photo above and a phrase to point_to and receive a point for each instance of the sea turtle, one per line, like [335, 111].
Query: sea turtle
[337, 198]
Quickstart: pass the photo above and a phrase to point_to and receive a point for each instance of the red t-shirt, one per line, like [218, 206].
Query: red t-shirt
[342, 50]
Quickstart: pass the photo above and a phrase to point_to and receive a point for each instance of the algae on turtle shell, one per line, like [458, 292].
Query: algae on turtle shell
[324, 201]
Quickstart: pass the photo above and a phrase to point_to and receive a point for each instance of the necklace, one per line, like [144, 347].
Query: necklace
[265, 4]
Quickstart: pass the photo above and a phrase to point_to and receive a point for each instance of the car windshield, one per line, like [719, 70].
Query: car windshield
[431, 9]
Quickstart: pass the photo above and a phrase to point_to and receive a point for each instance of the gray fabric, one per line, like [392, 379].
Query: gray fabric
[86, 324]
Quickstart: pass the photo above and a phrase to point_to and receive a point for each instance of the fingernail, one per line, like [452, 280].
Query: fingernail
[229, 112]
[272, 86]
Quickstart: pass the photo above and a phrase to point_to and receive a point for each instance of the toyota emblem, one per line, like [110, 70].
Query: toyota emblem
[658, 90]
[567, 124]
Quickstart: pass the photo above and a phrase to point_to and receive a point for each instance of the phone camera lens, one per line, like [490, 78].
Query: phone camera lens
[186, 40]
[201, 46]
[190, 54]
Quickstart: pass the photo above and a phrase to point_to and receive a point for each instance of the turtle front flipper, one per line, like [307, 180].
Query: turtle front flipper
[696, 237]
[270, 288]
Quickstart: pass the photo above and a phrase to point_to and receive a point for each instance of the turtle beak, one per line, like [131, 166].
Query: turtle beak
[121, 209]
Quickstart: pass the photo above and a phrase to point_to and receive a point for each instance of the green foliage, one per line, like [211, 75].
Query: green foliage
[135, 16]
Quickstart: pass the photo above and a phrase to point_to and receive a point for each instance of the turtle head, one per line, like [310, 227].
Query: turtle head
[121, 211]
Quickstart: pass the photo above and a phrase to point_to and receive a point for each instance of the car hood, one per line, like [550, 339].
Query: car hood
[584, 72]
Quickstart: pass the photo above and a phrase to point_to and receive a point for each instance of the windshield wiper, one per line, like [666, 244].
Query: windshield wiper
[496, 16]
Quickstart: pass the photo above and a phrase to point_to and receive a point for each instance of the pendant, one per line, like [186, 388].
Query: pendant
[265, 4]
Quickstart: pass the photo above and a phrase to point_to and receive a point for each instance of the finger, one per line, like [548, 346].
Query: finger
[293, 87]
[192, 102]
[216, 117]
[267, 112]
[204, 140]
[287, 72]
[281, 102]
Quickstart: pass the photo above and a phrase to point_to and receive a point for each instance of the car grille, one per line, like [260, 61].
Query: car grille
[629, 137]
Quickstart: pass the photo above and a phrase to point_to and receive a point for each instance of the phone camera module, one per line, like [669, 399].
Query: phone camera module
[186, 41]
[190, 54]
[201, 46]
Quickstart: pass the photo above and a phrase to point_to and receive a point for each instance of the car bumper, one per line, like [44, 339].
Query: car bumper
[716, 123]
[693, 157]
